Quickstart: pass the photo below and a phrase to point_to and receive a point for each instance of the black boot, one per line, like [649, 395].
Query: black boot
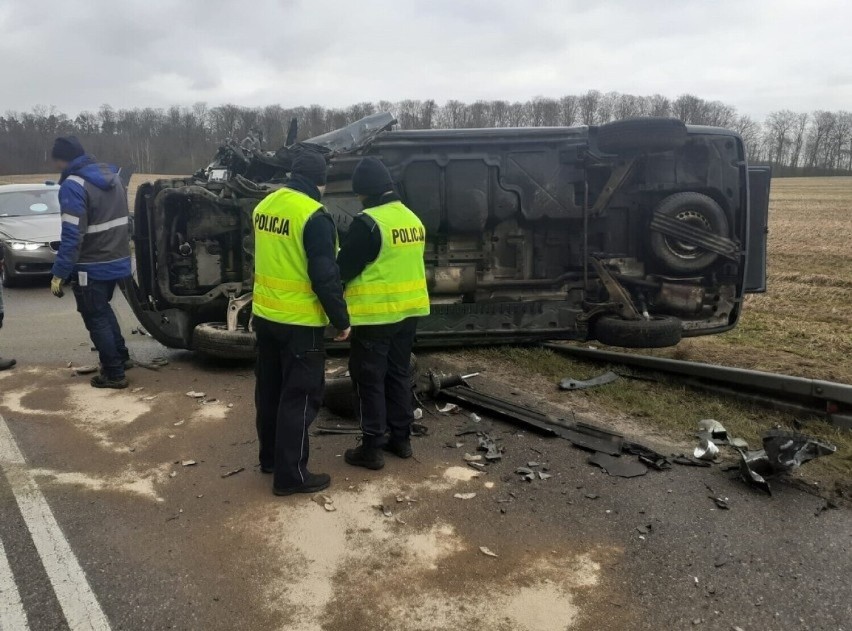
[399, 447]
[366, 455]
[314, 482]
[102, 381]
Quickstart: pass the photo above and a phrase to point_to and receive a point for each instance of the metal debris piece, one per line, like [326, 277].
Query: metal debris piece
[576, 384]
[195, 395]
[787, 451]
[754, 466]
[523, 470]
[616, 466]
[228, 474]
[448, 408]
[487, 552]
[714, 428]
[472, 458]
[543, 476]
[489, 446]
[738, 443]
[689, 461]
[647, 456]
[188, 463]
[721, 502]
[706, 449]
[464, 496]
[476, 465]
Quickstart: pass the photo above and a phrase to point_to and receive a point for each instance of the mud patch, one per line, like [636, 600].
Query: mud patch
[355, 567]
[129, 481]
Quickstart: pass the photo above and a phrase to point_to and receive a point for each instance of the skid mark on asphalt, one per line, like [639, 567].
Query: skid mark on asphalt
[353, 566]
[78, 602]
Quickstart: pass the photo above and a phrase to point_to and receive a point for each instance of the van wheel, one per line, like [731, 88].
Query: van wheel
[641, 135]
[215, 340]
[698, 211]
[339, 394]
[658, 332]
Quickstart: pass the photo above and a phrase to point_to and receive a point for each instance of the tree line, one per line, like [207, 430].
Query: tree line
[181, 139]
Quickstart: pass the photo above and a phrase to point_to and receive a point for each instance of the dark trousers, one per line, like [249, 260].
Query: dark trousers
[290, 379]
[93, 304]
[379, 363]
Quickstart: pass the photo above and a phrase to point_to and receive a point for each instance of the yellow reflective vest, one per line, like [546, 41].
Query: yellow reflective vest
[393, 287]
[282, 287]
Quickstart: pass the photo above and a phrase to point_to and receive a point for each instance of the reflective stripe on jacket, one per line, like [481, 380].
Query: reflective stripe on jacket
[282, 287]
[393, 287]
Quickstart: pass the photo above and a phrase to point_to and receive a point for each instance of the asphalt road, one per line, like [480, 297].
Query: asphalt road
[106, 524]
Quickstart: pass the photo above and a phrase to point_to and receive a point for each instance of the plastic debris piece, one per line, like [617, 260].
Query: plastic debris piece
[487, 552]
[738, 443]
[644, 530]
[543, 476]
[592, 496]
[188, 463]
[85, 370]
[721, 502]
[523, 470]
[475, 417]
[179, 423]
[472, 458]
[448, 408]
[577, 384]
[228, 474]
[325, 501]
[418, 414]
[529, 477]
[172, 474]
[139, 389]
[464, 496]
[477, 465]
[714, 428]
[787, 451]
[195, 395]
[618, 466]
[532, 464]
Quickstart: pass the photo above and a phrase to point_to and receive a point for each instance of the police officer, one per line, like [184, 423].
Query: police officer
[297, 290]
[94, 251]
[381, 264]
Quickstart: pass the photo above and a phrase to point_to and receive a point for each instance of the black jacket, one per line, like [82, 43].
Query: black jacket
[319, 238]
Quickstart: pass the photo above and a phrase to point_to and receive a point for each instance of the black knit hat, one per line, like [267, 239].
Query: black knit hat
[371, 178]
[310, 165]
[67, 148]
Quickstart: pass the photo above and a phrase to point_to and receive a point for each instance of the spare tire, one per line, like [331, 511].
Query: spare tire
[642, 135]
[698, 210]
[215, 340]
[658, 332]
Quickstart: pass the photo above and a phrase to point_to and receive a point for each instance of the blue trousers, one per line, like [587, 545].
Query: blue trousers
[93, 304]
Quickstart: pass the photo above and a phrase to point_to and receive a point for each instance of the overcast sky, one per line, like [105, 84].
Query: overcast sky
[758, 55]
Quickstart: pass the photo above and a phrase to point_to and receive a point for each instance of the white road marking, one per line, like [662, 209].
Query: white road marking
[79, 603]
[12, 615]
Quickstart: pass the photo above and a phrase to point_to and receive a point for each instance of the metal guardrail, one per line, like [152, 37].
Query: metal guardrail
[824, 398]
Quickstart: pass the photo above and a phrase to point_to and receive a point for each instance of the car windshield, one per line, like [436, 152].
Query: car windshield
[29, 203]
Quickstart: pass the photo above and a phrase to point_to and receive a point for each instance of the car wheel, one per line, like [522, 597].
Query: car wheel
[641, 135]
[339, 395]
[658, 332]
[215, 340]
[696, 210]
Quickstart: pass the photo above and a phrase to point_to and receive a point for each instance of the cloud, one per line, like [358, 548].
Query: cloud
[758, 56]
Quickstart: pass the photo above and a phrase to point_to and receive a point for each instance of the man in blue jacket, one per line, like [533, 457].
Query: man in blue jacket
[94, 252]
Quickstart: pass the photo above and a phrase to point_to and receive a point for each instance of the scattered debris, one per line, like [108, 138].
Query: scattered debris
[644, 530]
[524, 470]
[472, 458]
[179, 423]
[488, 485]
[475, 417]
[85, 370]
[172, 474]
[487, 552]
[714, 429]
[448, 408]
[689, 461]
[617, 466]
[543, 476]
[139, 389]
[464, 496]
[195, 395]
[738, 443]
[188, 463]
[591, 496]
[228, 474]
[533, 463]
[576, 384]
[593, 438]
[489, 446]
[150, 398]
[782, 453]
[418, 414]
[385, 509]
[476, 465]
[721, 502]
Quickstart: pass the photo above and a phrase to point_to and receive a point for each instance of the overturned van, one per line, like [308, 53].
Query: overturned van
[634, 233]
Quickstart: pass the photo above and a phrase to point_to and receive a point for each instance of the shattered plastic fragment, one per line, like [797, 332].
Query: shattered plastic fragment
[487, 552]
[464, 496]
[543, 476]
[592, 496]
[448, 408]
[195, 395]
[714, 428]
[721, 502]
[523, 470]
[418, 414]
[472, 458]
[618, 466]
[475, 417]
[188, 463]
[706, 449]
[532, 464]
[787, 451]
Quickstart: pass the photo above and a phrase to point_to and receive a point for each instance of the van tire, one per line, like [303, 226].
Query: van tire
[700, 210]
[215, 340]
[641, 135]
[658, 332]
[339, 394]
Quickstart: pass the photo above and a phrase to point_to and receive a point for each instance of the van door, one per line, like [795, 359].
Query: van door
[758, 229]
